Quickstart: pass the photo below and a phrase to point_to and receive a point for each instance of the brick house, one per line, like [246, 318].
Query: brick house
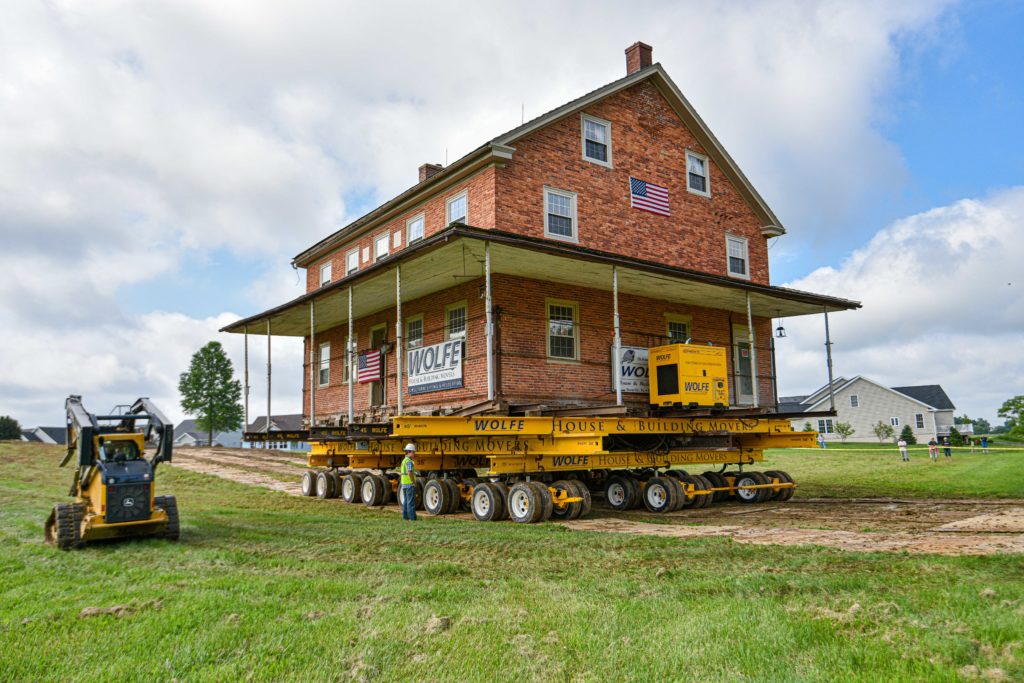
[616, 221]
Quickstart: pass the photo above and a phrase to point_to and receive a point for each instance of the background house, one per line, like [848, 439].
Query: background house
[282, 424]
[186, 433]
[863, 403]
[51, 435]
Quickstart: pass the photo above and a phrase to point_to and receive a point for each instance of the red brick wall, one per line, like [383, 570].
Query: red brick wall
[526, 373]
[648, 142]
[480, 195]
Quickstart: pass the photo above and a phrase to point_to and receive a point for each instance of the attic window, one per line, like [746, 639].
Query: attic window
[597, 140]
[737, 254]
[854, 401]
[697, 174]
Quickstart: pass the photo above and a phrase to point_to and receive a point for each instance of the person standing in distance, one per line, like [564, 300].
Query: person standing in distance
[408, 483]
[903, 450]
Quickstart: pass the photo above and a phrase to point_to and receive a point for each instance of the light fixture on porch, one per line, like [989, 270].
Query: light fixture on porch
[780, 331]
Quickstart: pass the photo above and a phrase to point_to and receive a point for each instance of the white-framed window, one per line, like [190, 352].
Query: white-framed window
[697, 177]
[414, 229]
[396, 239]
[677, 327]
[414, 332]
[351, 262]
[560, 214]
[563, 329]
[325, 273]
[324, 365]
[380, 246]
[825, 426]
[919, 420]
[894, 421]
[346, 365]
[737, 256]
[366, 254]
[457, 208]
[455, 320]
[854, 401]
[597, 140]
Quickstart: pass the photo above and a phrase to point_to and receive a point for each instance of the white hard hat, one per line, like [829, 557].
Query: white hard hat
[410, 447]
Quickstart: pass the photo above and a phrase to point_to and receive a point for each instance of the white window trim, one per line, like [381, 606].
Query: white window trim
[325, 267]
[366, 254]
[451, 200]
[707, 174]
[423, 331]
[321, 365]
[854, 401]
[349, 271]
[451, 307]
[583, 139]
[894, 422]
[679, 318]
[826, 426]
[408, 227]
[571, 196]
[746, 254]
[386, 237]
[396, 240]
[918, 418]
[574, 305]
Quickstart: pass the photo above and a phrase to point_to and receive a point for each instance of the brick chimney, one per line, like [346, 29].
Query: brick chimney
[638, 56]
[427, 170]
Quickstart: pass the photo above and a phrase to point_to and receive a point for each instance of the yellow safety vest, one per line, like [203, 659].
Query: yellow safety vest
[407, 464]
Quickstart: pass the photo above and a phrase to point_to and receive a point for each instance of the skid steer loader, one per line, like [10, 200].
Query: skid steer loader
[113, 484]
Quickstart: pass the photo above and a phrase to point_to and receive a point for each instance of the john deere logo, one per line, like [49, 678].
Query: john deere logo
[128, 502]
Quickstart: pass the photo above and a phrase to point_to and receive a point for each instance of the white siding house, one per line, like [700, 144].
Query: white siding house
[863, 403]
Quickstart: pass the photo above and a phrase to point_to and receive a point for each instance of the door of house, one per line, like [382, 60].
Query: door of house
[742, 366]
[378, 336]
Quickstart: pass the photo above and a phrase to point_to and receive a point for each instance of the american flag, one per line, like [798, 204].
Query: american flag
[648, 197]
[368, 367]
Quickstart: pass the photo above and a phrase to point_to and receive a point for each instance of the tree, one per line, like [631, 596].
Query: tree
[955, 437]
[844, 429]
[210, 392]
[981, 426]
[908, 435]
[9, 428]
[808, 427]
[1012, 410]
[883, 431]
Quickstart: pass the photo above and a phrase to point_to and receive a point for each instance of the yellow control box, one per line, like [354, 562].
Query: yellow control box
[688, 375]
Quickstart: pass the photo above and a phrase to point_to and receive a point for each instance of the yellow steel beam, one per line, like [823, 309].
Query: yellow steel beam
[563, 427]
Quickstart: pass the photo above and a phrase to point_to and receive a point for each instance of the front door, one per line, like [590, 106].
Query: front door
[377, 337]
[742, 366]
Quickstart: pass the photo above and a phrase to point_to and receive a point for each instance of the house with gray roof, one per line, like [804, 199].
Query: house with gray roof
[863, 403]
[50, 435]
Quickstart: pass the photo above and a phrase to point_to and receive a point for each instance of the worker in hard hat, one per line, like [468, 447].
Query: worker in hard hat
[408, 483]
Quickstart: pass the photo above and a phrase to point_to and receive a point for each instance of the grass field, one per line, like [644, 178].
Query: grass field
[264, 586]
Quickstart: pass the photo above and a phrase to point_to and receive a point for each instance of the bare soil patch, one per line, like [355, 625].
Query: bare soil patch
[937, 526]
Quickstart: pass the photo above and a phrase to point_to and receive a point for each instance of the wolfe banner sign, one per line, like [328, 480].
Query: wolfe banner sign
[435, 368]
[632, 369]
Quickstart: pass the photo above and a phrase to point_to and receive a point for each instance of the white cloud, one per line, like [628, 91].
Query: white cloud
[942, 305]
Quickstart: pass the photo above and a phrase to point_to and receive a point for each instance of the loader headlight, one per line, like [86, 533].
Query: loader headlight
[111, 480]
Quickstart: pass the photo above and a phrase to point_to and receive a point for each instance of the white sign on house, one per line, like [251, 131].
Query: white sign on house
[435, 368]
[633, 369]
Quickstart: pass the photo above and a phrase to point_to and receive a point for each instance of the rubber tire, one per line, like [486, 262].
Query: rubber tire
[373, 491]
[784, 494]
[172, 532]
[638, 489]
[486, 503]
[583, 492]
[324, 485]
[390, 490]
[502, 490]
[64, 526]
[717, 481]
[547, 504]
[569, 510]
[417, 491]
[354, 484]
[336, 475]
[755, 496]
[524, 504]
[455, 501]
[436, 497]
[678, 474]
[618, 492]
[308, 485]
[703, 483]
[464, 505]
[659, 502]
[680, 496]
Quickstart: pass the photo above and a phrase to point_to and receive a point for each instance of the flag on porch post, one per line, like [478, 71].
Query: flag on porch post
[368, 367]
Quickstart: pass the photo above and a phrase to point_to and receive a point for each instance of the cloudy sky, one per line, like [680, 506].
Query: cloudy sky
[160, 163]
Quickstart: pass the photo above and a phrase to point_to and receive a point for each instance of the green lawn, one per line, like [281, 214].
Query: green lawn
[264, 586]
[854, 470]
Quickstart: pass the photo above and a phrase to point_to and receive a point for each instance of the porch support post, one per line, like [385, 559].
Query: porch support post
[489, 325]
[617, 340]
[312, 365]
[348, 359]
[399, 342]
[267, 426]
[753, 353]
[828, 361]
[245, 428]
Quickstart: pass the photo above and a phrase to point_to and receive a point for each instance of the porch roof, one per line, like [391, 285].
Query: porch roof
[456, 255]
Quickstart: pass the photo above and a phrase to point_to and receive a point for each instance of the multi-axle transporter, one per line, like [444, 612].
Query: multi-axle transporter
[537, 468]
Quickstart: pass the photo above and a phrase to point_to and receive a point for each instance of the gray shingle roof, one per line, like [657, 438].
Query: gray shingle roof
[931, 394]
[283, 423]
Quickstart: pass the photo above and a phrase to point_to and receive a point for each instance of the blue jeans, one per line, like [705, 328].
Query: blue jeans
[409, 502]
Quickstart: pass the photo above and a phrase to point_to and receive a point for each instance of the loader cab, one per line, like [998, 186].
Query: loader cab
[118, 449]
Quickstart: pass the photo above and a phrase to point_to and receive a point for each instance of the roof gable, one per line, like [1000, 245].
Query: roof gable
[930, 394]
[861, 378]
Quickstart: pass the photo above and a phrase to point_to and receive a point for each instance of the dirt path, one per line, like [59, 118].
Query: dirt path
[943, 527]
